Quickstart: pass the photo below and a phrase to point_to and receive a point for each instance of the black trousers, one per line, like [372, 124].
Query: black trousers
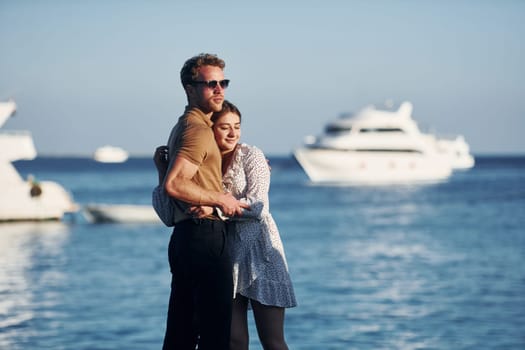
[201, 287]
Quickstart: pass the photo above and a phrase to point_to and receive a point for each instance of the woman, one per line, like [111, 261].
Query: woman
[260, 272]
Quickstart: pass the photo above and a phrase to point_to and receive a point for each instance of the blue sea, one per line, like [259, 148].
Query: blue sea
[434, 266]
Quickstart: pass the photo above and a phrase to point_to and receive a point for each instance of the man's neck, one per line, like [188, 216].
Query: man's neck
[206, 113]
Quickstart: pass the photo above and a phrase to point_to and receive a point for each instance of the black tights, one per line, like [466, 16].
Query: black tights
[268, 319]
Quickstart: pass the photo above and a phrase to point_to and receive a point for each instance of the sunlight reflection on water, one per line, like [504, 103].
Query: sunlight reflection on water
[19, 243]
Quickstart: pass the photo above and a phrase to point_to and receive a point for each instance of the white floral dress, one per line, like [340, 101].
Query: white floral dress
[260, 270]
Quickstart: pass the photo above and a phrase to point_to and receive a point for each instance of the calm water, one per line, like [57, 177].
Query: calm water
[437, 266]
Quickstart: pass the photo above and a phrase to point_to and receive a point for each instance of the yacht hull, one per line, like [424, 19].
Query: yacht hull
[343, 166]
[22, 203]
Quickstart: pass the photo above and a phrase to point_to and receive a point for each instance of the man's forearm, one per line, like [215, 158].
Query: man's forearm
[189, 192]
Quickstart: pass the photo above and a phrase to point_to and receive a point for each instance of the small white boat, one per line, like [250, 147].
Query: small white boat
[120, 213]
[26, 200]
[110, 154]
[379, 147]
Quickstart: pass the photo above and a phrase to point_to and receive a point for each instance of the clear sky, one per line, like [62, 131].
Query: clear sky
[89, 73]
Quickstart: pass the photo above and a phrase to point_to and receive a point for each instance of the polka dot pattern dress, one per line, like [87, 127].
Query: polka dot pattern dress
[260, 270]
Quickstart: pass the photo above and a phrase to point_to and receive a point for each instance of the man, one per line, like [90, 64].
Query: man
[201, 289]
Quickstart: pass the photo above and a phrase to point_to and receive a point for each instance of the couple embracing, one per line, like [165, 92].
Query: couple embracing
[225, 252]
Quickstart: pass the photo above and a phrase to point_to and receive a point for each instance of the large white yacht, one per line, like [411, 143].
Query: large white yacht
[26, 200]
[380, 147]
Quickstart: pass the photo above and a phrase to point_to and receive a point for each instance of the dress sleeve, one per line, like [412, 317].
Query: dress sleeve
[163, 206]
[257, 173]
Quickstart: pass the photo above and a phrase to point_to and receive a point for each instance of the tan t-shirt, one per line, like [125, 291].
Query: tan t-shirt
[193, 139]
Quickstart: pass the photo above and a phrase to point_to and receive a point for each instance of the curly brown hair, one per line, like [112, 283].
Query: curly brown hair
[190, 69]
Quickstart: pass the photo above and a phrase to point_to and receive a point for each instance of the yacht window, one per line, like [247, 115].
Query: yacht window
[382, 130]
[387, 150]
[334, 129]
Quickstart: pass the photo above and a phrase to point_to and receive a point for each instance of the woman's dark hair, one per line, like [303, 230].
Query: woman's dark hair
[227, 107]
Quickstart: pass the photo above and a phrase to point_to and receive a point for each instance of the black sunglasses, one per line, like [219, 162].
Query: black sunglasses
[212, 84]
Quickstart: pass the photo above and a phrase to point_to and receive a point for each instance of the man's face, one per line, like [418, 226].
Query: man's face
[208, 99]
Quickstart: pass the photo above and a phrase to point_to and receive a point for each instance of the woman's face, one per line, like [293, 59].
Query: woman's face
[227, 130]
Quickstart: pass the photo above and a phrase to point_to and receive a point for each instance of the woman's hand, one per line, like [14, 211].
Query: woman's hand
[160, 158]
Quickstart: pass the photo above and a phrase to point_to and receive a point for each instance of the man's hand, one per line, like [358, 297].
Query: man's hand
[200, 211]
